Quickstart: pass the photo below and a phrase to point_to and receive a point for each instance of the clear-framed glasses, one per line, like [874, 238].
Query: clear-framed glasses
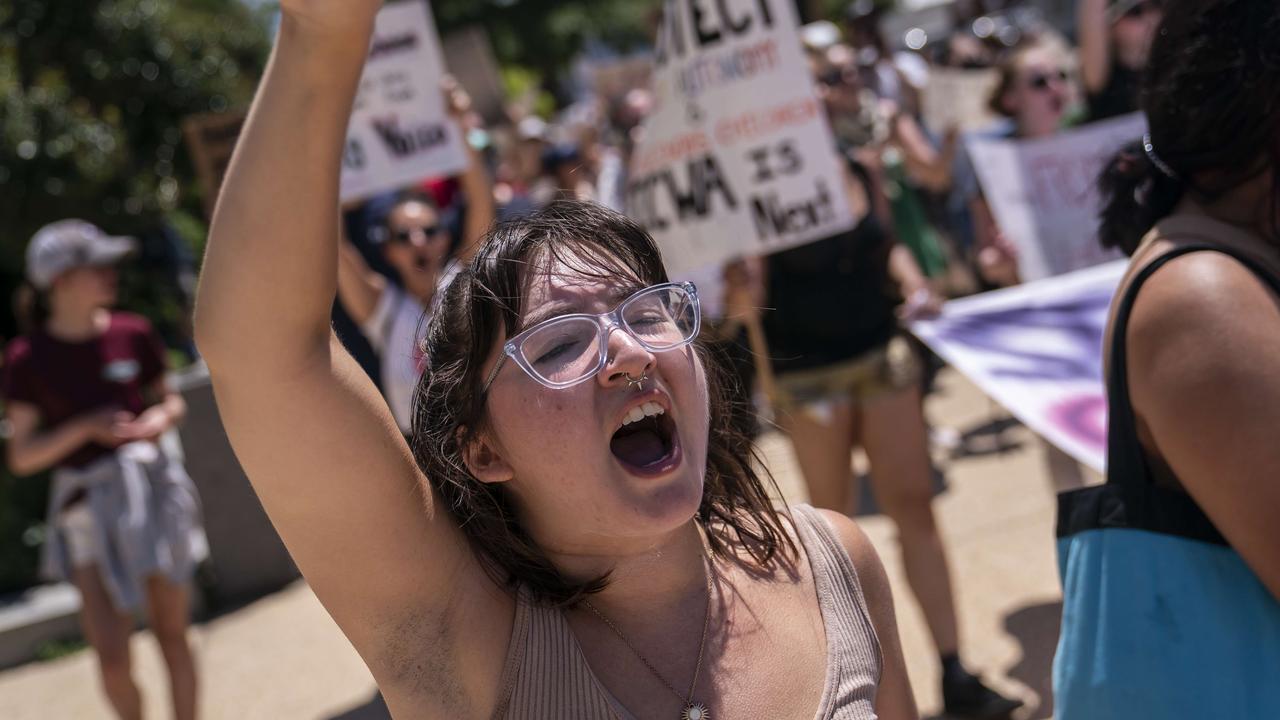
[567, 350]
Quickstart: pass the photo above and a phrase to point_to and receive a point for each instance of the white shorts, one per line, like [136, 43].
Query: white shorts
[80, 534]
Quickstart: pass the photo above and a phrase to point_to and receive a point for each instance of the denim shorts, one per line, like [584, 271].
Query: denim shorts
[892, 367]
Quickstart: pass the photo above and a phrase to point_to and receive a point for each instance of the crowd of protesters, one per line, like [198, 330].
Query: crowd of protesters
[812, 340]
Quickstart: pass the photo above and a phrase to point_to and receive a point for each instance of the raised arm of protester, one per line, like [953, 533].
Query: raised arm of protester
[1095, 44]
[476, 182]
[315, 437]
[359, 286]
[930, 167]
[920, 299]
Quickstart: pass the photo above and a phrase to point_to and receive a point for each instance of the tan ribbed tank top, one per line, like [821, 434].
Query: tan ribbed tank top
[547, 676]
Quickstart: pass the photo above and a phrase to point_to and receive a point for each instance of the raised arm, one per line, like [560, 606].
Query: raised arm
[359, 286]
[929, 167]
[312, 432]
[1095, 44]
[476, 183]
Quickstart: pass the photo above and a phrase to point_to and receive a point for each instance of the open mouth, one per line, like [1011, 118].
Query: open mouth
[646, 443]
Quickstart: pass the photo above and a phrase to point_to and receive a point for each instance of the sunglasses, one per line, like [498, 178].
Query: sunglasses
[835, 78]
[406, 236]
[1042, 81]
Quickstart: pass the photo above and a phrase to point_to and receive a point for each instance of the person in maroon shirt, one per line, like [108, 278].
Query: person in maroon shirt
[85, 395]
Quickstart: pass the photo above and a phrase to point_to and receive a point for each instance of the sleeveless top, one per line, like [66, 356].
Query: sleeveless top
[1153, 594]
[1161, 509]
[832, 300]
[547, 676]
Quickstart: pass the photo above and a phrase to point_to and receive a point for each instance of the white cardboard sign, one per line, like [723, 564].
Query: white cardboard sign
[1044, 193]
[737, 157]
[959, 98]
[400, 132]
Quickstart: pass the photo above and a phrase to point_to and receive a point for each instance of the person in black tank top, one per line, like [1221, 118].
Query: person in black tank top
[845, 376]
[847, 276]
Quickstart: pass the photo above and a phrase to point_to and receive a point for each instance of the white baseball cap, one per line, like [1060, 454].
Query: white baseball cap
[69, 244]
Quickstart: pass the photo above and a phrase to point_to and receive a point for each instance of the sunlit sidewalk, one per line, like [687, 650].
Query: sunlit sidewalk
[282, 657]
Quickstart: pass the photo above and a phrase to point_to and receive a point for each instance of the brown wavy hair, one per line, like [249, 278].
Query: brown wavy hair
[482, 306]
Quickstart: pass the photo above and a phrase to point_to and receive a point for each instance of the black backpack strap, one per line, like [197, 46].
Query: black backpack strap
[1126, 463]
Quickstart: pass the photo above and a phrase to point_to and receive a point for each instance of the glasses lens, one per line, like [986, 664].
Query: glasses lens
[662, 318]
[562, 352]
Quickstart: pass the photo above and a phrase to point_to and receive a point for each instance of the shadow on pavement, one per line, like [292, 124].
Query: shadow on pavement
[375, 709]
[988, 438]
[1036, 629]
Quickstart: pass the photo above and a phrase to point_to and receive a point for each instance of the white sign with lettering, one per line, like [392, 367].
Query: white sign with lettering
[400, 132]
[737, 157]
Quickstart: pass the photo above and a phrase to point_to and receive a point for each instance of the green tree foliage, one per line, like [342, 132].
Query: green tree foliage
[546, 35]
[92, 95]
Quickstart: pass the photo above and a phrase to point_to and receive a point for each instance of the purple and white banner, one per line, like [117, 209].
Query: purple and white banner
[1037, 350]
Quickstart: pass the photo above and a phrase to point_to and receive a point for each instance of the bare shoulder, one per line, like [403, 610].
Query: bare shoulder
[866, 563]
[1201, 312]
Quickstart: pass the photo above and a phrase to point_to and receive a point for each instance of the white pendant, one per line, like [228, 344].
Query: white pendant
[696, 712]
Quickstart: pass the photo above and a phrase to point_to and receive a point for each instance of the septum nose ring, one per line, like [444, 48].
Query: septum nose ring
[635, 383]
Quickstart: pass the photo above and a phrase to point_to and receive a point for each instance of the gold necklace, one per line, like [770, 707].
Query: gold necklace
[692, 710]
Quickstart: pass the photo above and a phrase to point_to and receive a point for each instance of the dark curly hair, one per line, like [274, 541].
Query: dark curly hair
[1212, 98]
[483, 305]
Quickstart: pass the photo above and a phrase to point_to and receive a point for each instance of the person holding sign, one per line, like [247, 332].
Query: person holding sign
[577, 532]
[417, 245]
[1115, 41]
[1171, 570]
[1034, 92]
[845, 376]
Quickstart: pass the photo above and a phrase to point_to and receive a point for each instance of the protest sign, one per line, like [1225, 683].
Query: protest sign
[736, 158]
[400, 132]
[468, 55]
[956, 98]
[1037, 350]
[1044, 193]
[211, 139]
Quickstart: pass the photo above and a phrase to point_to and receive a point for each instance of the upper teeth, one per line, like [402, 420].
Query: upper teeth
[641, 412]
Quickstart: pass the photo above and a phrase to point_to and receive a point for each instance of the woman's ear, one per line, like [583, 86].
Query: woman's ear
[484, 459]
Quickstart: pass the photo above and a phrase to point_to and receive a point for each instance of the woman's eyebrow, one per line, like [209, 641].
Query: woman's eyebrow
[547, 312]
[554, 309]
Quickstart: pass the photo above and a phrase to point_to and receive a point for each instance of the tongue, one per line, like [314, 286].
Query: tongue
[639, 448]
